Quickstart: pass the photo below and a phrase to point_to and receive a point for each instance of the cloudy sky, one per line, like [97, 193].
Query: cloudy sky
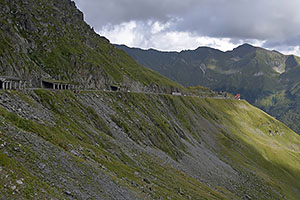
[187, 24]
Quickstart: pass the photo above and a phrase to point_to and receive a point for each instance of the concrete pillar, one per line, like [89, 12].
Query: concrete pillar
[3, 85]
[53, 86]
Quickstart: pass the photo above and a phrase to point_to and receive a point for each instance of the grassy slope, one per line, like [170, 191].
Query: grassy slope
[269, 147]
[257, 146]
[66, 49]
[49, 39]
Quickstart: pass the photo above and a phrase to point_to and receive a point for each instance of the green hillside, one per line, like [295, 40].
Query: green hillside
[267, 79]
[103, 145]
[151, 146]
[138, 144]
[49, 40]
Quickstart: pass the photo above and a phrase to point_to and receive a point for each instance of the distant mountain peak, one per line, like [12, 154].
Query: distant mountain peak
[245, 46]
[243, 50]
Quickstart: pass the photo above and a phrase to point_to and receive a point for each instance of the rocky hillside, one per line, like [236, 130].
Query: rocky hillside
[267, 79]
[49, 40]
[97, 144]
[103, 145]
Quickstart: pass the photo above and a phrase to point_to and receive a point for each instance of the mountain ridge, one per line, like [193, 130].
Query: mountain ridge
[94, 143]
[259, 75]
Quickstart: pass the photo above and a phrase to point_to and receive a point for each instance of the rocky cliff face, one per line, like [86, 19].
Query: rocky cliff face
[49, 40]
[30, 32]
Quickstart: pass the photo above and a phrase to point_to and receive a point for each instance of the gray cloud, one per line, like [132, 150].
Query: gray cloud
[103, 12]
[275, 21]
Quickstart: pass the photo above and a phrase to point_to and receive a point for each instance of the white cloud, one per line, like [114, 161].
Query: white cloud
[293, 50]
[123, 33]
[158, 36]
[177, 24]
